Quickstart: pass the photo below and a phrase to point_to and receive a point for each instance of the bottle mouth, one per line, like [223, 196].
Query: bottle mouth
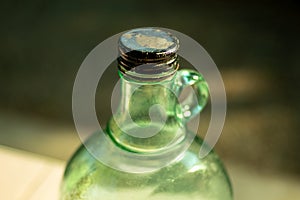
[148, 54]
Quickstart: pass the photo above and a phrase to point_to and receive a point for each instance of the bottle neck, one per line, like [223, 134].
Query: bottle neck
[146, 120]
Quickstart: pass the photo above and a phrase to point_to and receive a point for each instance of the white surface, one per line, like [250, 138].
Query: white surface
[251, 185]
[26, 176]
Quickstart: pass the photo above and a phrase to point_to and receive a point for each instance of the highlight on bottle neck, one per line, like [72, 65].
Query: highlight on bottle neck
[148, 54]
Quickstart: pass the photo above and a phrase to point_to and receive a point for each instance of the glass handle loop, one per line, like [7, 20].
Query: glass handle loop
[196, 100]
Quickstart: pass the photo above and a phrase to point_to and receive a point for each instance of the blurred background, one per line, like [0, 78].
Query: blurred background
[255, 45]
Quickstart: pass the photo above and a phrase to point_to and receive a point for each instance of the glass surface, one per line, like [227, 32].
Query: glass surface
[186, 177]
[147, 151]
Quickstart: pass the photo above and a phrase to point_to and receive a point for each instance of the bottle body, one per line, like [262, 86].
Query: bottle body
[147, 151]
[187, 178]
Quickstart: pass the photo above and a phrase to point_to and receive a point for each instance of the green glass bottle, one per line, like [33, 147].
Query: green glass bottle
[146, 151]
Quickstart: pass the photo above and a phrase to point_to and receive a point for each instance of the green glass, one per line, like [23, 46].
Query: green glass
[149, 153]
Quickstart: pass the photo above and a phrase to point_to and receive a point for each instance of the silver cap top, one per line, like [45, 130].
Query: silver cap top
[148, 51]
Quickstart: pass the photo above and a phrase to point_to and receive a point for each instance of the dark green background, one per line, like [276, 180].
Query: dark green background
[255, 44]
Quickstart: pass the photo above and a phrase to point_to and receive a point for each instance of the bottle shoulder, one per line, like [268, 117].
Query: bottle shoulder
[84, 159]
[186, 174]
